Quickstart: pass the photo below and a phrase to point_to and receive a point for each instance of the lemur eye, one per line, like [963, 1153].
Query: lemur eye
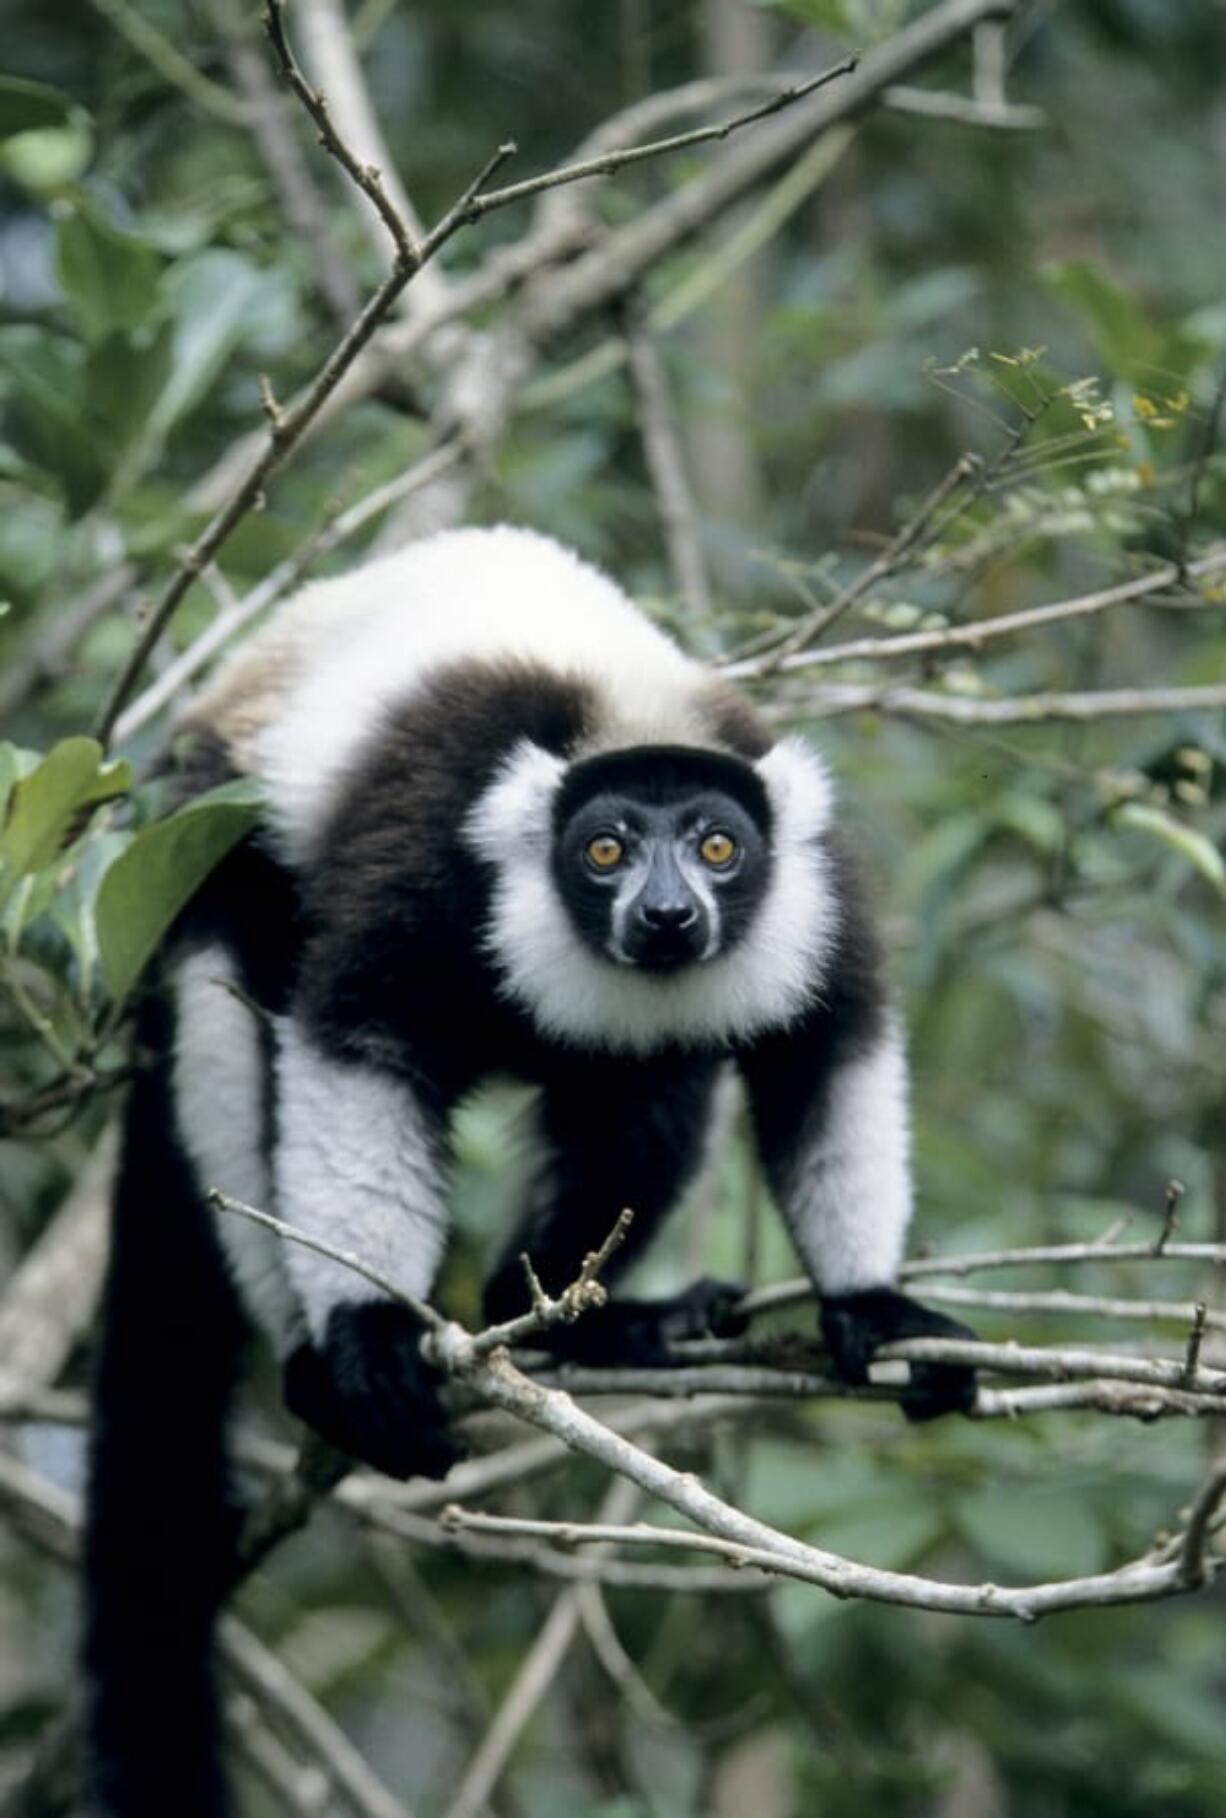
[718, 849]
[605, 852]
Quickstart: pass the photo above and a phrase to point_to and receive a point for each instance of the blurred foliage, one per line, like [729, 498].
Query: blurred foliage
[1049, 300]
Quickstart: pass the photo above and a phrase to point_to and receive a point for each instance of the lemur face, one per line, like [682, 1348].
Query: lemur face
[661, 883]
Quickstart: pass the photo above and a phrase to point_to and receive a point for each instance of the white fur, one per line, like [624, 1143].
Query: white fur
[219, 1089]
[355, 1169]
[358, 645]
[573, 995]
[847, 1200]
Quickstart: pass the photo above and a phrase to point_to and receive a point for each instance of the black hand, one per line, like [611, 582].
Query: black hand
[640, 1333]
[369, 1392]
[853, 1325]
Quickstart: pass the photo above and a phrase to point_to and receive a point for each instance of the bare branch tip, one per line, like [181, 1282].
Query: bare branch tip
[540, 1300]
[1196, 1338]
[1175, 1191]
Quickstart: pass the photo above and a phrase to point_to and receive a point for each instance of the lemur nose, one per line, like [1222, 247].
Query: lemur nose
[670, 917]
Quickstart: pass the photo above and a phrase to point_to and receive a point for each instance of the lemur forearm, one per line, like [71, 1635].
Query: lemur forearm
[838, 1157]
[357, 1165]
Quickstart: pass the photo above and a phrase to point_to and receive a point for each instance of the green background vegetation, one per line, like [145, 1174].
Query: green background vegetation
[1063, 965]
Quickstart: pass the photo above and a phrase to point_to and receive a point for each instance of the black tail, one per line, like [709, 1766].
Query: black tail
[160, 1523]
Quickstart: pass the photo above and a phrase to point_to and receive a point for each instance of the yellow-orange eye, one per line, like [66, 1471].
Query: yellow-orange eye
[605, 852]
[718, 849]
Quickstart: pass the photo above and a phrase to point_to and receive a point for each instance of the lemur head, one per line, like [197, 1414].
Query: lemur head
[655, 893]
[661, 854]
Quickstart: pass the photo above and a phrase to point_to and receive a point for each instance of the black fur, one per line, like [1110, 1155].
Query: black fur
[788, 1071]
[160, 1521]
[853, 1325]
[375, 950]
[663, 773]
[617, 1133]
[370, 1393]
[389, 971]
[661, 821]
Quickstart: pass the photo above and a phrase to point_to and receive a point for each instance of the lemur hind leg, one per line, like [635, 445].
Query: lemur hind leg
[614, 1134]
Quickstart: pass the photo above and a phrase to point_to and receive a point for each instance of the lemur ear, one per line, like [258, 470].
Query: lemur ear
[515, 811]
[799, 787]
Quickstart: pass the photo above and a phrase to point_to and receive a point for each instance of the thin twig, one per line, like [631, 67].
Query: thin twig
[269, 1681]
[273, 132]
[937, 104]
[331, 56]
[790, 1293]
[1058, 1363]
[370, 181]
[1175, 1191]
[615, 1574]
[431, 1319]
[283, 578]
[538, 1671]
[618, 263]
[608, 163]
[410, 256]
[584, 1292]
[1138, 1393]
[1019, 710]
[894, 556]
[1080, 1306]
[984, 631]
[666, 465]
[1193, 1567]
[606, 1644]
[1201, 1318]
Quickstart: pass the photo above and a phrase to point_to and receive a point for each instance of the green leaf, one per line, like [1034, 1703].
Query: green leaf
[1125, 338]
[26, 106]
[1033, 819]
[72, 908]
[1197, 848]
[157, 874]
[10, 769]
[124, 382]
[209, 299]
[49, 392]
[48, 159]
[43, 805]
[110, 276]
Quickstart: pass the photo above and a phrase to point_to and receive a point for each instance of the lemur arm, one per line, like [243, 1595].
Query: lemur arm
[356, 1163]
[829, 1100]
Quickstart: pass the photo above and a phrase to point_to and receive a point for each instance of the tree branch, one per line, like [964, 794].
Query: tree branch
[1018, 710]
[968, 637]
[665, 464]
[486, 1370]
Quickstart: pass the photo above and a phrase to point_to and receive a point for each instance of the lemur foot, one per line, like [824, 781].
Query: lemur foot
[368, 1391]
[640, 1333]
[853, 1325]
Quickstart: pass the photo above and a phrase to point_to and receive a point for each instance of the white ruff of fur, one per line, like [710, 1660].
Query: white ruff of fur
[847, 1198]
[575, 996]
[355, 1169]
[219, 1091]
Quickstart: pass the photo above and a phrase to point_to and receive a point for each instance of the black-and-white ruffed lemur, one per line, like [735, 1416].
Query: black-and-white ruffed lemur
[509, 829]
